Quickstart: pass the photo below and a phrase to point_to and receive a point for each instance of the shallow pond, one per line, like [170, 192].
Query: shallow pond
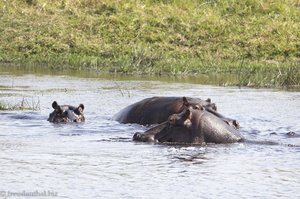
[98, 159]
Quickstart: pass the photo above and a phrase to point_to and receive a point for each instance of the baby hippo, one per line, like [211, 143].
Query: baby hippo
[66, 113]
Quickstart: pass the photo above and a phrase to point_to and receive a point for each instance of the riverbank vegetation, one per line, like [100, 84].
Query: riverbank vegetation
[256, 39]
[24, 104]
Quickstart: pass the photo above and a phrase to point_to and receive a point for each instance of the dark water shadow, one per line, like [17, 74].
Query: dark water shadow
[114, 139]
[198, 158]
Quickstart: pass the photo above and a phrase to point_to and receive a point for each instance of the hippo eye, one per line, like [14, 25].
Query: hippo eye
[59, 112]
[171, 120]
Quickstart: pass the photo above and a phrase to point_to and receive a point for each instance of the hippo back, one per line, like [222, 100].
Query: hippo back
[156, 110]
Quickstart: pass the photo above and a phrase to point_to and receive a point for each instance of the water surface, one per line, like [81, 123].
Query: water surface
[98, 159]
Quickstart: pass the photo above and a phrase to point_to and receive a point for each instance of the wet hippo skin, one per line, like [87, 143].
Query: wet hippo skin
[156, 110]
[66, 113]
[195, 126]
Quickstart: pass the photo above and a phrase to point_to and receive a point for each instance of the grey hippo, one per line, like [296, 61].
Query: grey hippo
[66, 113]
[192, 126]
[156, 110]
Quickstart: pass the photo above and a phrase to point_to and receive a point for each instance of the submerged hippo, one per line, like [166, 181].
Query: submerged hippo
[66, 113]
[193, 126]
[156, 110]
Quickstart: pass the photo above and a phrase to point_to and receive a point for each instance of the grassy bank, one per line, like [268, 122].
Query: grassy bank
[177, 37]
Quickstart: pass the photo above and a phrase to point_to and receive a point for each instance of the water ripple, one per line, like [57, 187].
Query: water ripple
[98, 159]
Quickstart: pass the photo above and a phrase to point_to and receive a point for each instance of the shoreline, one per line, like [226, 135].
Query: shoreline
[287, 78]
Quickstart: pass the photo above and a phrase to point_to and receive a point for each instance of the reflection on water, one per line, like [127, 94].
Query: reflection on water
[213, 79]
[98, 159]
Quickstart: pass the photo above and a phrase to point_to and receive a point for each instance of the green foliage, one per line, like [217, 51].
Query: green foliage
[153, 36]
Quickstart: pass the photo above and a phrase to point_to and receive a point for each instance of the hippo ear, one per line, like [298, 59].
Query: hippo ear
[236, 124]
[208, 100]
[54, 105]
[81, 107]
[187, 114]
[214, 107]
[185, 102]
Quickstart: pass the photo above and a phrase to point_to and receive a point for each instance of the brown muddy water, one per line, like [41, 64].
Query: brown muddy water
[98, 159]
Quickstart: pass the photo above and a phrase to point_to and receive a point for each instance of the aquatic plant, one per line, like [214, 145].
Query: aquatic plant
[24, 104]
[3, 106]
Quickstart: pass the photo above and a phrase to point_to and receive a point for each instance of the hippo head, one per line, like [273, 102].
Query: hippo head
[198, 126]
[172, 130]
[142, 137]
[183, 118]
[197, 103]
[207, 105]
[177, 128]
[66, 113]
[210, 105]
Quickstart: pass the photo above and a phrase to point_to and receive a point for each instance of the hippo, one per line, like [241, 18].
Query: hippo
[156, 110]
[191, 126]
[66, 113]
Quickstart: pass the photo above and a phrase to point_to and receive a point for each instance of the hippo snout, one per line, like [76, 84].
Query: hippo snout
[137, 136]
[142, 137]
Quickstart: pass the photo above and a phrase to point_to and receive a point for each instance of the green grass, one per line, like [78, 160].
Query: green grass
[24, 104]
[174, 37]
